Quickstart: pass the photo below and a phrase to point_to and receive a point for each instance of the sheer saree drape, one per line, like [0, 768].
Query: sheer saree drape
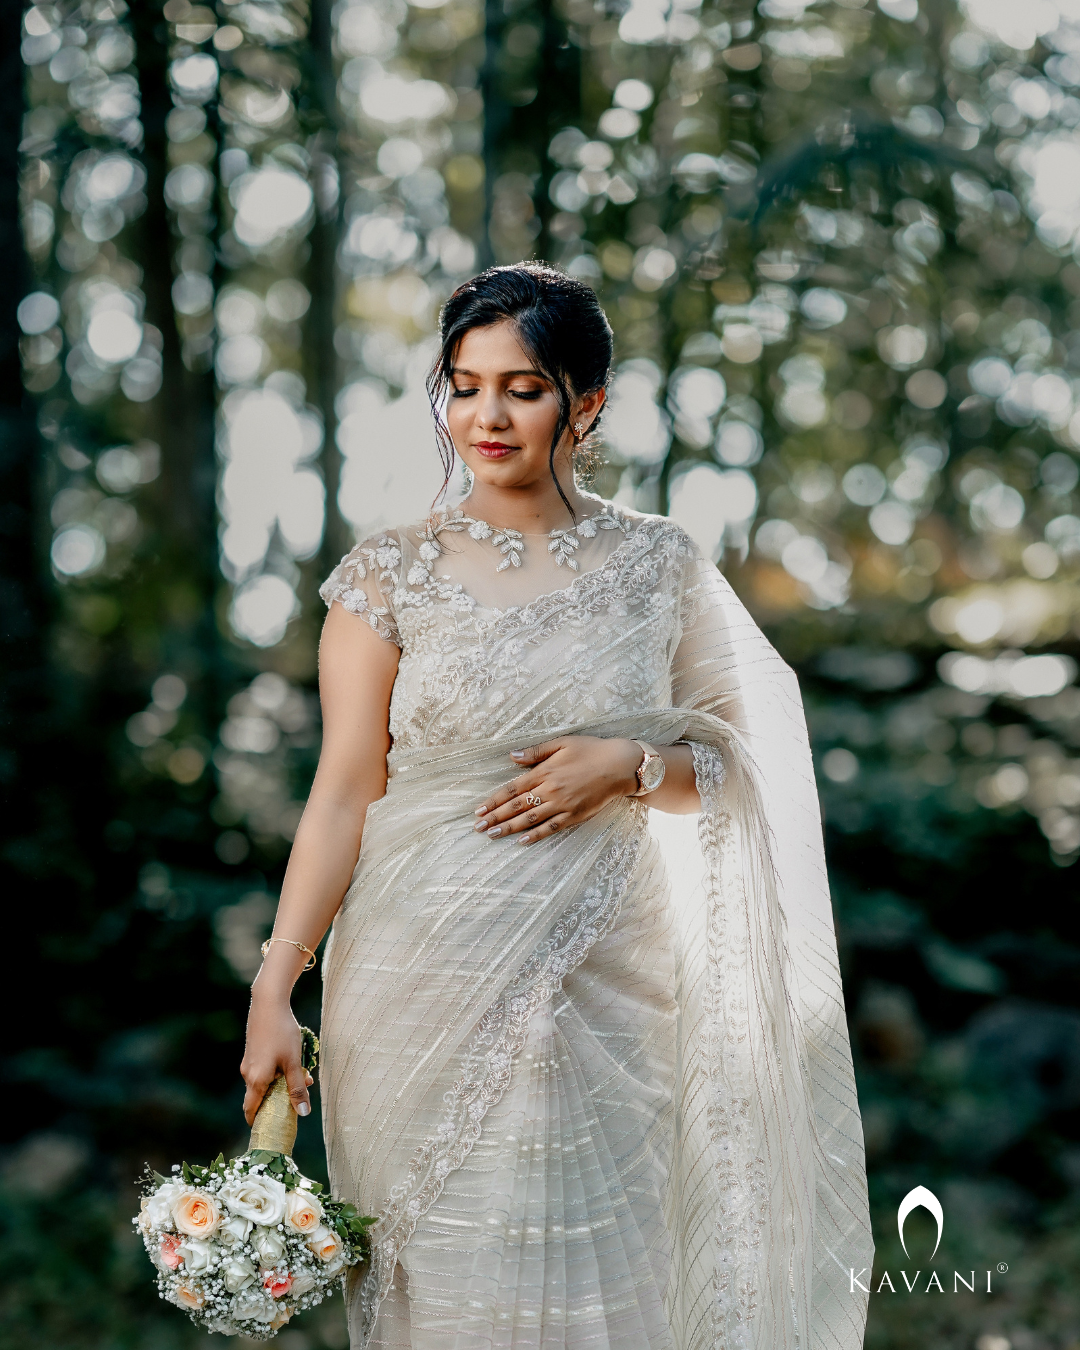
[599, 1091]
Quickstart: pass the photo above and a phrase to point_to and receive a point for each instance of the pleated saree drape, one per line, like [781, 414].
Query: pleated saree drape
[598, 1090]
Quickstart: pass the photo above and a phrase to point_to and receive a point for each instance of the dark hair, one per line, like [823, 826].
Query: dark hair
[559, 323]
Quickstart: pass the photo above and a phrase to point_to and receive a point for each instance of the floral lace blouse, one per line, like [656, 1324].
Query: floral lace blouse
[476, 610]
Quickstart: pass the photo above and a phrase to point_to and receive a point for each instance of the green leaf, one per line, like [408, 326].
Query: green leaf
[309, 1049]
[266, 1156]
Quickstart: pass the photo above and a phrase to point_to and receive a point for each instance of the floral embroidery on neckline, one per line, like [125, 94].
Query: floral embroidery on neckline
[511, 543]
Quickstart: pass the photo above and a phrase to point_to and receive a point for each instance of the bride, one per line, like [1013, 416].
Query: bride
[587, 1063]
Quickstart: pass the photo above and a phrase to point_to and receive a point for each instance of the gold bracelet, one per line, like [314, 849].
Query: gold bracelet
[299, 947]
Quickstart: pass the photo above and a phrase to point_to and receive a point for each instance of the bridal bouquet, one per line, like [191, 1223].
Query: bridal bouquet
[244, 1245]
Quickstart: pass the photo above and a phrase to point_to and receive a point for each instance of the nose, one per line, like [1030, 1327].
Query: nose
[493, 411]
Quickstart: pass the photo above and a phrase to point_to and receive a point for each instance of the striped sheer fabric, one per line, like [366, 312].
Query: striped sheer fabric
[599, 1090]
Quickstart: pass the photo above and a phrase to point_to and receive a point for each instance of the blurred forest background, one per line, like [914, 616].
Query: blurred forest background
[837, 240]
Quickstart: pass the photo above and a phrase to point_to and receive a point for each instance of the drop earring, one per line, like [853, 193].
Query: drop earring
[579, 429]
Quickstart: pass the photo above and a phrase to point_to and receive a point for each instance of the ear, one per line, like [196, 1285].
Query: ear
[588, 406]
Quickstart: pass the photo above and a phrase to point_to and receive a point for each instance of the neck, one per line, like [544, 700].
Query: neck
[533, 509]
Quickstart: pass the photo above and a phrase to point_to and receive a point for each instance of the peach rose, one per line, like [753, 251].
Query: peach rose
[170, 1251]
[196, 1213]
[303, 1213]
[325, 1243]
[188, 1296]
[277, 1286]
[280, 1318]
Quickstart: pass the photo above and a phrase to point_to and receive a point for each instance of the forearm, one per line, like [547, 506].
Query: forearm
[320, 868]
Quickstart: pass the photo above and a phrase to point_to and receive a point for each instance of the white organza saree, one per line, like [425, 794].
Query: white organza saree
[598, 1090]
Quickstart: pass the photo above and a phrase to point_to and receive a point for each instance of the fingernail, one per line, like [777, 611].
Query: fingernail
[517, 754]
[303, 1109]
[480, 810]
[480, 825]
[496, 831]
[525, 839]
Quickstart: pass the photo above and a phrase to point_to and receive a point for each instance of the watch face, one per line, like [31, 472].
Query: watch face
[652, 773]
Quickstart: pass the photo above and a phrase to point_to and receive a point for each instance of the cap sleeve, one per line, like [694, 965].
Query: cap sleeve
[364, 583]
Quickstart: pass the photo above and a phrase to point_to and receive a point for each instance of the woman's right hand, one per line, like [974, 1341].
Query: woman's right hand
[273, 1047]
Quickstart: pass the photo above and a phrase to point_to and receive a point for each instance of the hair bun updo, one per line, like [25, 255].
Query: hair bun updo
[559, 322]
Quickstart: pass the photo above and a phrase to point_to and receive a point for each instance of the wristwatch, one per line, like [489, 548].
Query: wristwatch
[650, 772]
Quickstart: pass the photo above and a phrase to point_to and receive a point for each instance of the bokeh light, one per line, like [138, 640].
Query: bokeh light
[838, 247]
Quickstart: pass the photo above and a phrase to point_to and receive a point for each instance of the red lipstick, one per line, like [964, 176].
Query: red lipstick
[493, 449]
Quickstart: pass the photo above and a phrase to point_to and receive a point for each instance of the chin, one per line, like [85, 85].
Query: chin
[509, 472]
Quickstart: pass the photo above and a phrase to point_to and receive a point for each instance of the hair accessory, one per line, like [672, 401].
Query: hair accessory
[299, 947]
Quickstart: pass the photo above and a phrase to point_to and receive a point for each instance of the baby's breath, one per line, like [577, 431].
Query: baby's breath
[248, 1308]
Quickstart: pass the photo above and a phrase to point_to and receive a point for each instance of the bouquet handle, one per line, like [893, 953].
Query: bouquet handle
[274, 1129]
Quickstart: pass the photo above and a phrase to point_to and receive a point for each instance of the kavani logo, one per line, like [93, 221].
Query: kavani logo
[928, 1200]
[921, 1198]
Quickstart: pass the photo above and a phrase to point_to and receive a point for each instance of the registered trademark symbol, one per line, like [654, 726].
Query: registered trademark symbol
[1002, 1267]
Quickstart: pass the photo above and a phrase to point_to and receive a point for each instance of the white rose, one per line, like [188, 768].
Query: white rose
[260, 1199]
[303, 1213]
[233, 1230]
[158, 1207]
[196, 1255]
[237, 1273]
[325, 1243]
[302, 1284]
[270, 1246]
[253, 1304]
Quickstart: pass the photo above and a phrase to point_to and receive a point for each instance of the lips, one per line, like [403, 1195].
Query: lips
[494, 449]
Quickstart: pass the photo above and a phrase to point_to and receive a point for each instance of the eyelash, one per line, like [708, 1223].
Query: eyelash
[528, 396]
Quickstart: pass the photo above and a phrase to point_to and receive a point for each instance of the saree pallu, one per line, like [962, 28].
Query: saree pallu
[598, 1090]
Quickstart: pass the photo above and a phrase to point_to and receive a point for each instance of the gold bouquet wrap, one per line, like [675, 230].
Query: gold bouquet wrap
[274, 1129]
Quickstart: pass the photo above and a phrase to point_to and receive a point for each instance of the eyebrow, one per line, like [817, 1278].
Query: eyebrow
[458, 370]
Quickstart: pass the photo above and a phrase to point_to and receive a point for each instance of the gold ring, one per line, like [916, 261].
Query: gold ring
[531, 799]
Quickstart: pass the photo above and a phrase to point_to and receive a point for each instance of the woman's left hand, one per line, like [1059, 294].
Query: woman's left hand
[573, 776]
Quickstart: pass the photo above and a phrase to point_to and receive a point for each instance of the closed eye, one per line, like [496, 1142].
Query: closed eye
[529, 395]
[463, 393]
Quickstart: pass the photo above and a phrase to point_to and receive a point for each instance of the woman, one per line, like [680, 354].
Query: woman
[591, 1108]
